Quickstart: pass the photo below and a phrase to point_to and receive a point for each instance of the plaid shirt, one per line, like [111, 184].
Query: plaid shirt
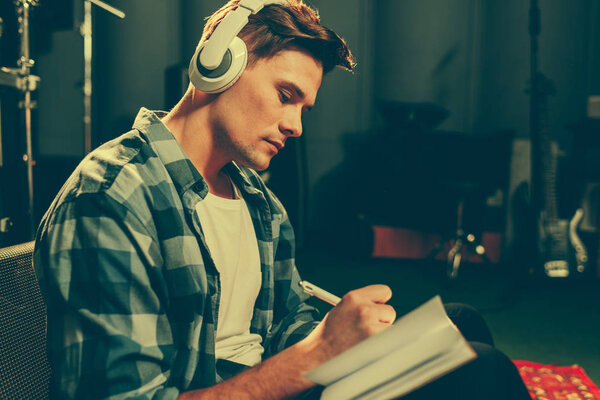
[131, 289]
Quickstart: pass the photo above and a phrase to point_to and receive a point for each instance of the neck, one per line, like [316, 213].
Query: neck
[189, 123]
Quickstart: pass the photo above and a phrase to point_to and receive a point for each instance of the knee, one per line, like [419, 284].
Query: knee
[496, 364]
[470, 322]
[460, 309]
[492, 375]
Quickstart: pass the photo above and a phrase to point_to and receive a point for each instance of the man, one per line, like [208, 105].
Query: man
[137, 295]
[166, 263]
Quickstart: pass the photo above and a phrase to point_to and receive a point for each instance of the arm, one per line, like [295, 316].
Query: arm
[103, 281]
[360, 314]
[281, 375]
[296, 344]
[276, 378]
[108, 334]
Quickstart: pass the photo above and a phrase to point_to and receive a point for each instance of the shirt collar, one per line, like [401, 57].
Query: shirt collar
[183, 173]
[161, 140]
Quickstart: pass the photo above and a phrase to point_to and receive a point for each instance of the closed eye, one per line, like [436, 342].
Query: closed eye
[284, 96]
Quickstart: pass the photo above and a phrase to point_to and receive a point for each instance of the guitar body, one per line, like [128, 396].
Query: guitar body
[562, 252]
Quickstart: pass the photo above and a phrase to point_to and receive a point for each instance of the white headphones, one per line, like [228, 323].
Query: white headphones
[218, 63]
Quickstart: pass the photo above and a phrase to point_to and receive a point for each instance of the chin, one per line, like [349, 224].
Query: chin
[257, 165]
[261, 166]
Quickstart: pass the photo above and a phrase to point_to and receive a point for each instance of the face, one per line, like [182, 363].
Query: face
[253, 119]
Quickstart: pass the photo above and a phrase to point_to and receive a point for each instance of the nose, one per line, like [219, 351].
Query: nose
[291, 123]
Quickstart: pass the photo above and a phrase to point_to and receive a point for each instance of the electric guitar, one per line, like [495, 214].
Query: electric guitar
[562, 253]
[557, 249]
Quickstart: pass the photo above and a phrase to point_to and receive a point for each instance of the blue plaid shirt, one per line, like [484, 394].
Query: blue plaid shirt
[131, 289]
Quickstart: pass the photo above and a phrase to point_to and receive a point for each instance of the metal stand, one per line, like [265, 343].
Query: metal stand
[22, 79]
[25, 64]
[534, 98]
[1, 152]
[86, 32]
[459, 241]
[5, 222]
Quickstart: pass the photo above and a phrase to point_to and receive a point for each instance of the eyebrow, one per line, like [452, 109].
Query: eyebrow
[298, 91]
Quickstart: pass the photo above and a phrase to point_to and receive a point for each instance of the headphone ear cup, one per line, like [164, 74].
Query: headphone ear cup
[225, 75]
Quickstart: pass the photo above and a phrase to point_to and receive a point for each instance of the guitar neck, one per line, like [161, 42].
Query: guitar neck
[548, 164]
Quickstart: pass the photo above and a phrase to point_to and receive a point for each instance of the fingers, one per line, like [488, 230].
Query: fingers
[360, 314]
[369, 302]
[376, 293]
[386, 314]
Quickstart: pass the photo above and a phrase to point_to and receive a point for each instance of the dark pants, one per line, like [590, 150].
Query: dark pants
[491, 376]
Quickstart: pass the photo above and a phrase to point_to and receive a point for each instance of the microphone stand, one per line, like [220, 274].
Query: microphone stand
[534, 129]
[22, 79]
[86, 32]
[1, 152]
[25, 64]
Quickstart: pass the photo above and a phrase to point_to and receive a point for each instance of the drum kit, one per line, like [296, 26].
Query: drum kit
[22, 79]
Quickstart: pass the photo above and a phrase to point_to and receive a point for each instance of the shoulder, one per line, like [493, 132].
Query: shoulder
[124, 170]
[123, 162]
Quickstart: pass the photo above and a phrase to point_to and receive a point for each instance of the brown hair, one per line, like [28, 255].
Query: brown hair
[277, 27]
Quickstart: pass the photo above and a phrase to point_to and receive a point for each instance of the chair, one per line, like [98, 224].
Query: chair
[24, 367]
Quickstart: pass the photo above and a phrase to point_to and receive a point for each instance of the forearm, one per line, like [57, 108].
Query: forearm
[276, 378]
[360, 314]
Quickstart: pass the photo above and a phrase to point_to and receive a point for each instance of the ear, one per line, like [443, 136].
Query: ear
[199, 98]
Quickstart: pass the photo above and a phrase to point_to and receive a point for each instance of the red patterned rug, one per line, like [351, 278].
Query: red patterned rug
[550, 382]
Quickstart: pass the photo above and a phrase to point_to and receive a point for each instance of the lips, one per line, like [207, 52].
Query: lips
[277, 144]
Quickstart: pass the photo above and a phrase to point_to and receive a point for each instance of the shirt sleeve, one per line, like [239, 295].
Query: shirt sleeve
[293, 319]
[108, 333]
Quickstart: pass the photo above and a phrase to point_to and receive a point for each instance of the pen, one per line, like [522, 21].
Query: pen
[319, 293]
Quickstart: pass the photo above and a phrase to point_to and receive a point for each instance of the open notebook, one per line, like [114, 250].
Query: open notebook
[417, 349]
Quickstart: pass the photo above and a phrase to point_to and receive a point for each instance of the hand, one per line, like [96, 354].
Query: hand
[360, 314]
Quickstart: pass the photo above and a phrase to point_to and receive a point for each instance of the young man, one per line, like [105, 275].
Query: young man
[166, 263]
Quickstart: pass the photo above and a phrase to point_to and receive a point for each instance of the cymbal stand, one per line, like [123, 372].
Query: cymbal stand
[460, 242]
[5, 222]
[1, 152]
[86, 31]
[22, 79]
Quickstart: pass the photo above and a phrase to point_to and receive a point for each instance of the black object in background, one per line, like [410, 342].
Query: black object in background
[176, 83]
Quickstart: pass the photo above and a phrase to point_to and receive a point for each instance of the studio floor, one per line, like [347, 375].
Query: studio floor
[550, 322]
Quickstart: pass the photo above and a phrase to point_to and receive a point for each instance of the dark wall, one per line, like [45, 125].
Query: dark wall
[469, 56]
[472, 57]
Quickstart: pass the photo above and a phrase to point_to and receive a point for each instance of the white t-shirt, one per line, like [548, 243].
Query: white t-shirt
[230, 237]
